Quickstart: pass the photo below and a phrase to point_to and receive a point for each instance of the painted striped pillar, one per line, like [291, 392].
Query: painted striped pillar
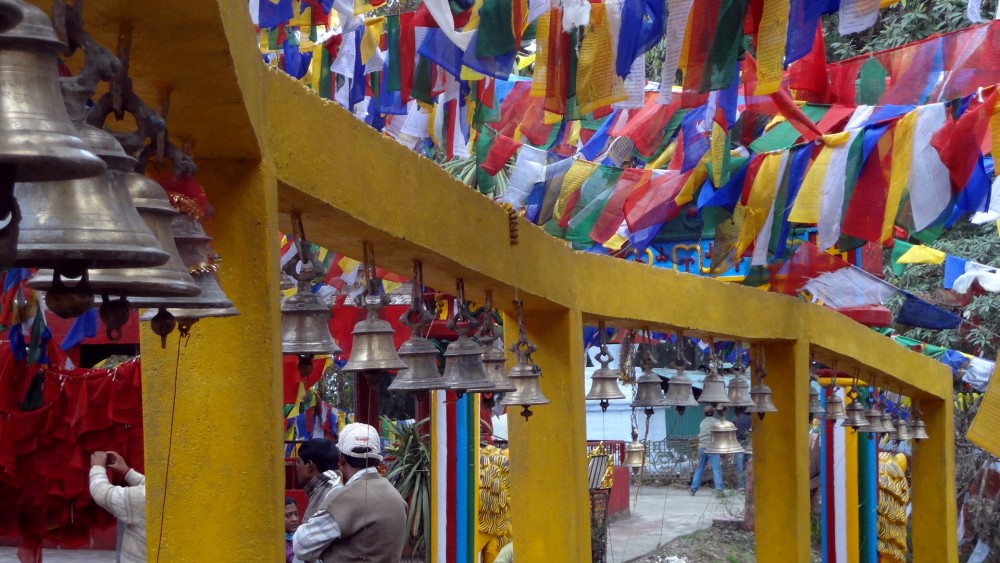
[454, 470]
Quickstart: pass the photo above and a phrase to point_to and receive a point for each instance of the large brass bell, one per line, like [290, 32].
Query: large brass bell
[648, 389]
[525, 373]
[418, 353]
[10, 14]
[815, 408]
[713, 389]
[918, 430]
[305, 318]
[604, 381]
[724, 439]
[856, 416]
[494, 359]
[170, 279]
[73, 225]
[373, 349]
[680, 390]
[739, 392]
[36, 134]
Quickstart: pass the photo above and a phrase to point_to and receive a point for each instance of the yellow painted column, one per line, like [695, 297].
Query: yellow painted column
[934, 535]
[781, 457]
[214, 466]
[550, 508]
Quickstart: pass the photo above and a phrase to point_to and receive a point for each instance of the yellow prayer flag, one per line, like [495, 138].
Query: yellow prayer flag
[758, 207]
[372, 37]
[697, 178]
[719, 146]
[920, 254]
[574, 133]
[665, 156]
[616, 242]
[771, 46]
[807, 202]
[985, 428]
[577, 174]
[899, 175]
[995, 130]
[523, 61]
[538, 79]
[471, 75]
[597, 83]
[550, 118]
[300, 18]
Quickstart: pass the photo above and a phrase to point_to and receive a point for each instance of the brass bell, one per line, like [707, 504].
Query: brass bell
[421, 374]
[834, 407]
[874, 417]
[680, 391]
[36, 134]
[635, 454]
[373, 349]
[649, 392]
[815, 408]
[739, 392]
[182, 319]
[604, 381]
[889, 427]
[305, 318]
[10, 14]
[494, 360]
[856, 417]
[918, 431]
[762, 403]
[724, 439]
[525, 373]
[902, 430]
[418, 353]
[713, 389]
[463, 359]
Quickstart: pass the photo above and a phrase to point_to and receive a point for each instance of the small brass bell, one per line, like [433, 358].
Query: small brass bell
[739, 392]
[713, 389]
[418, 353]
[856, 416]
[463, 359]
[680, 391]
[834, 407]
[373, 349]
[874, 417]
[604, 381]
[762, 403]
[635, 454]
[163, 321]
[648, 389]
[918, 431]
[724, 439]
[889, 427]
[10, 14]
[494, 360]
[902, 430]
[525, 373]
[815, 408]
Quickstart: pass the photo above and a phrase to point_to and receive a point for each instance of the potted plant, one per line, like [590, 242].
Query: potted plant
[409, 470]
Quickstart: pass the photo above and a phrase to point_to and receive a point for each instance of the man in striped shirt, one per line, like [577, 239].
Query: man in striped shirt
[128, 504]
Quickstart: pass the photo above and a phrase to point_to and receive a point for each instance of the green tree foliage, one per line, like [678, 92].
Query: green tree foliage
[905, 22]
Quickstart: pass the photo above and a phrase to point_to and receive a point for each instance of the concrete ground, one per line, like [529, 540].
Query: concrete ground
[664, 513]
[9, 555]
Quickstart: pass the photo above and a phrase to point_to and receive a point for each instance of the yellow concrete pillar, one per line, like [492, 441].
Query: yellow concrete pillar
[217, 494]
[781, 457]
[548, 452]
[934, 535]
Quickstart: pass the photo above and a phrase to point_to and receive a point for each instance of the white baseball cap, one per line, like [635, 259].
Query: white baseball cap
[360, 440]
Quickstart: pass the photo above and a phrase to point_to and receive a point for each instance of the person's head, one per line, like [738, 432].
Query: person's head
[315, 456]
[291, 515]
[360, 447]
[709, 411]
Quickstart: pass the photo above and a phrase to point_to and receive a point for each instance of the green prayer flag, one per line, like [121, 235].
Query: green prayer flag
[485, 183]
[422, 81]
[594, 194]
[898, 250]
[325, 85]
[726, 43]
[871, 83]
[392, 80]
[784, 135]
[854, 163]
[496, 31]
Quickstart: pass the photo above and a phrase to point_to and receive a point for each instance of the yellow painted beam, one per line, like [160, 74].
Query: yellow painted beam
[781, 457]
[550, 509]
[213, 452]
[935, 511]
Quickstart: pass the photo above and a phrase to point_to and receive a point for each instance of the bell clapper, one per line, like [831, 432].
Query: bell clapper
[114, 314]
[162, 325]
[69, 302]
[305, 365]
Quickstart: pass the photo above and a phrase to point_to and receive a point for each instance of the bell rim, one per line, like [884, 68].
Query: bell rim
[179, 303]
[52, 164]
[514, 402]
[102, 280]
[315, 348]
[366, 365]
[49, 256]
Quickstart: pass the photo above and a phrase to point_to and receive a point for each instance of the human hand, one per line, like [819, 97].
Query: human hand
[116, 463]
[98, 459]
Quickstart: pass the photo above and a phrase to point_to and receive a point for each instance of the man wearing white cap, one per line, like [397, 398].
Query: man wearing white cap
[365, 520]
